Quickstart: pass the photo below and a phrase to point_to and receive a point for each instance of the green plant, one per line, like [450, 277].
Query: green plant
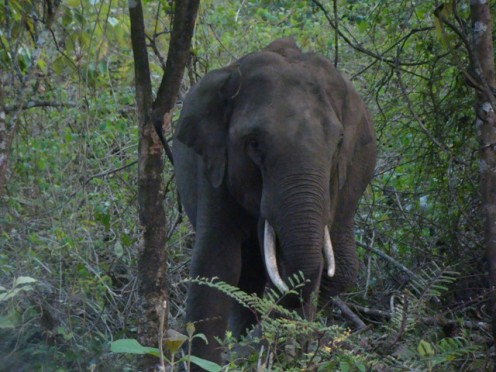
[173, 343]
[416, 309]
[284, 339]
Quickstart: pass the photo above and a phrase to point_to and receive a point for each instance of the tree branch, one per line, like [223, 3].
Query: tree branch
[348, 313]
[37, 103]
[177, 59]
[388, 258]
[112, 171]
[434, 320]
[361, 49]
[414, 113]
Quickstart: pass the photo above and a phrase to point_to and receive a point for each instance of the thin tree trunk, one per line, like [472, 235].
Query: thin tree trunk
[153, 253]
[486, 125]
[4, 145]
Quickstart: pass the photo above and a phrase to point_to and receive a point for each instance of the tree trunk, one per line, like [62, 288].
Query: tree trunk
[4, 144]
[482, 45]
[153, 253]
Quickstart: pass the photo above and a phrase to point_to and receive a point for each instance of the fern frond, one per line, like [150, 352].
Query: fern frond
[432, 281]
[264, 306]
[453, 348]
[429, 284]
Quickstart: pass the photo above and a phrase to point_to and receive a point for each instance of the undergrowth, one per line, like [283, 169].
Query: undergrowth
[285, 341]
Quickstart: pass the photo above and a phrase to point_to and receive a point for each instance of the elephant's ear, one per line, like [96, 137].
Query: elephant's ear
[350, 111]
[203, 123]
[357, 131]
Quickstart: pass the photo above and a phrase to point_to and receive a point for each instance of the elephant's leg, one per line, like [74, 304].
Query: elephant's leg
[252, 281]
[216, 254]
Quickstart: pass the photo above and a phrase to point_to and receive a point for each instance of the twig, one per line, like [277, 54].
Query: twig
[348, 313]
[388, 258]
[154, 47]
[36, 103]
[239, 10]
[106, 173]
[361, 49]
[162, 309]
[414, 113]
[336, 33]
[370, 311]
[220, 42]
[404, 320]
[428, 320]
[367, 282]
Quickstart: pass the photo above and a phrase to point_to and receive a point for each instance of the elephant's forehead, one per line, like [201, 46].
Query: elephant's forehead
[280, 79]
[280, 118]
[280, 96]
[269, 103]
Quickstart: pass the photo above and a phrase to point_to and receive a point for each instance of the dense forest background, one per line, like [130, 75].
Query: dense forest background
[69, 227]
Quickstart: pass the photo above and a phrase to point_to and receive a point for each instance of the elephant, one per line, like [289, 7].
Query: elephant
[271, 155]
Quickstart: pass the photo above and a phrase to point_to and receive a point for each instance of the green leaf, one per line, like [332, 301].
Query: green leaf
[118, 250]
[10, 294]
[6, 322]
[73, 3]
[425, 349]
[202, 336]
[174, 341]
[205, 364]
[42, 65]
[131, 346]
[24, 280]
[361, 367]
[190, 329]
[344, 366]
[64, 332]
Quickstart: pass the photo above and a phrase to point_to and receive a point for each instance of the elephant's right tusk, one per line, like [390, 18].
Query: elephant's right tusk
[270, 258]
[329, 253]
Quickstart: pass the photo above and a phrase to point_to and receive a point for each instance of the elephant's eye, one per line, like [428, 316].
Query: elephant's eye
[254, 149]
[253, 143]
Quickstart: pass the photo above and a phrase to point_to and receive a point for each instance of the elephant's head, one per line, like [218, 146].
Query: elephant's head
[278, 130]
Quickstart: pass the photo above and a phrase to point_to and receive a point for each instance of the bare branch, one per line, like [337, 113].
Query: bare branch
[348, 313]
[177, 59]
[388, 258]
[112, 171]
[414, 113]
[37, 103]
[361, 49]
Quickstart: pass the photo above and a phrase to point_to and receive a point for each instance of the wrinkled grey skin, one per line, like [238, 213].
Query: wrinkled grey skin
[280, 136]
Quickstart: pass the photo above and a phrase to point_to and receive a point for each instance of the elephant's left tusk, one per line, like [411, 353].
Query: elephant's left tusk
[270, 258]
[329, 254]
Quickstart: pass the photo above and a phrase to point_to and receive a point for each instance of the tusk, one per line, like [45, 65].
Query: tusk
[329, 254]
[270, 257]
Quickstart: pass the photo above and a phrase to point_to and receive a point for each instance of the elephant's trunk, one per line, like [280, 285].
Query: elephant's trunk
[299, 222]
